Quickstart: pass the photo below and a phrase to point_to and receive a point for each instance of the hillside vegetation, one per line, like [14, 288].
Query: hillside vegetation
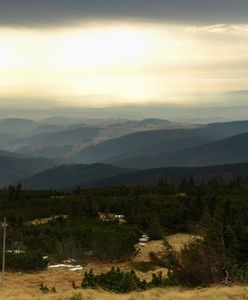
[106, 143]
[14, 167]
[214, 210]
[149, 145]
[68, 177]
[228, 151]
[26, 286]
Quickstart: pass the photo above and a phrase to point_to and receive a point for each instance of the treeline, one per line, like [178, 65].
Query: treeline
[61, 239]
[215, 211]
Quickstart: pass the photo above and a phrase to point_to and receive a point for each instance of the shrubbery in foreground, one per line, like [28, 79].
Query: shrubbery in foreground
[204, 262]
[27, 261]
[122, 282]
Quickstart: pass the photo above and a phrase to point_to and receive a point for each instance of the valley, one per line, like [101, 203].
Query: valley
[76, 149]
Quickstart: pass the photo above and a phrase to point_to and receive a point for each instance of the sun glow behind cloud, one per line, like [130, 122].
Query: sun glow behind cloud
[130, 62]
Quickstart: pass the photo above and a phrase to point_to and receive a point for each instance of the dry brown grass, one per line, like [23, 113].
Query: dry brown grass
[176, 240]
[211, 293]
[19, 286]
[46, 220]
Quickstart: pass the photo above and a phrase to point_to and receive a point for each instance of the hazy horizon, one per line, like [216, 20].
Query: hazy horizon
[174, 112]
[86, 54]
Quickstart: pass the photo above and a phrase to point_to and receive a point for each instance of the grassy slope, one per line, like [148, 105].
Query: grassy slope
[212, 293]
[20, 286]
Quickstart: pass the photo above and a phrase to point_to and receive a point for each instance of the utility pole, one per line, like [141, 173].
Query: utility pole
[4, 249]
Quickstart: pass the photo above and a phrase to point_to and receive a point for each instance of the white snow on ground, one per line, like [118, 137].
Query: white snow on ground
[76, 268]
[72, 268]
[60, 266]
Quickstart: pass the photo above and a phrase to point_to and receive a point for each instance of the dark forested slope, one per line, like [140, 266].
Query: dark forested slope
[67, 176]
[13, 168]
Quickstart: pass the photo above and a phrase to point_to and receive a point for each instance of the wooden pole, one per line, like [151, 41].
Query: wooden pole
[4, 249]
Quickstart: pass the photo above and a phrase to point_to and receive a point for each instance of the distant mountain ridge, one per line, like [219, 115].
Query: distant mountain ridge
[151, 177]
[100, 175]
[152, 143]
[227, 151]
[100, 155]
[69, 176]
[16, 126]
[135, 143]
[14, 167]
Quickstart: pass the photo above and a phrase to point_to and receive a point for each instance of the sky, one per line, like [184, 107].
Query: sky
[95, 53]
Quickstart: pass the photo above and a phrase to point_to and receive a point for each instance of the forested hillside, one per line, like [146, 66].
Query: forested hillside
[70, 176]
[106, 224]
[142, 146]
[14, 167]
[227, 151]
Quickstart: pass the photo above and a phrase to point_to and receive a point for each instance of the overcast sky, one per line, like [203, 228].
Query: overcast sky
[108, 52]
[52, 12]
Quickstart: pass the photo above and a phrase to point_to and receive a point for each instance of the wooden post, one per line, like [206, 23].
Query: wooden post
[4, 249]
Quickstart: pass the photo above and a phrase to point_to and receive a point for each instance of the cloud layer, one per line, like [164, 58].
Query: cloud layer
[57, 12]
